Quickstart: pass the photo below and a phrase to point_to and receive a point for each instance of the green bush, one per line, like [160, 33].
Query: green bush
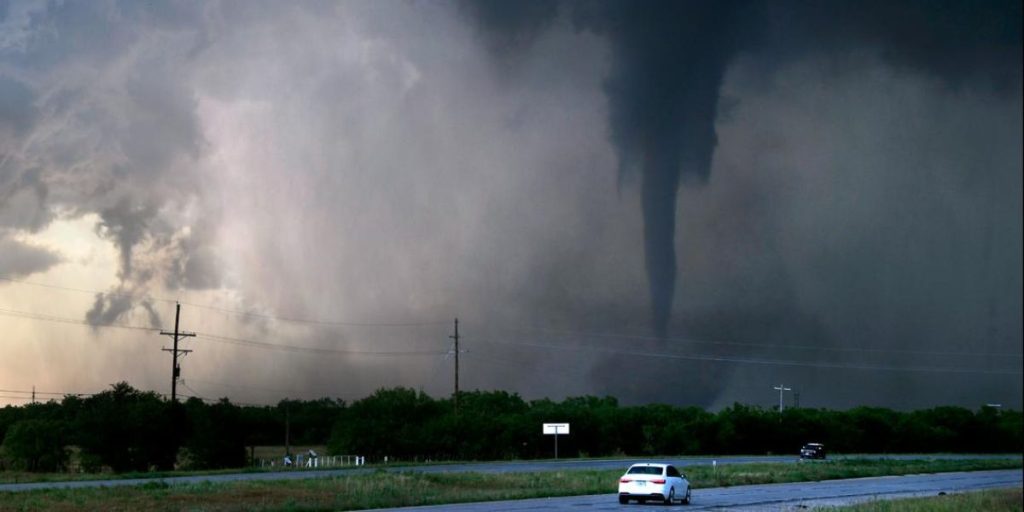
[36, 445]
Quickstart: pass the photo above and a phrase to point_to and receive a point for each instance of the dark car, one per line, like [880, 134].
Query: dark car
[812, 451]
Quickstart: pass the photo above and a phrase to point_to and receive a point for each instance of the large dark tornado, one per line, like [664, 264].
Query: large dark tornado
[667, 63]
[668, 60]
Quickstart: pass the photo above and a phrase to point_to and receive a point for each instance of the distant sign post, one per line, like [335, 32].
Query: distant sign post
[556, 429]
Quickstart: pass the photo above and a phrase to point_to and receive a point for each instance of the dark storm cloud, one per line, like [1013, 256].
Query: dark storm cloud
[23, 199]
[108, 308]
[101, 120]
[126, 224]
[511, 26]
[958, 41]
[17, 112]
[196, 265]
[23, 193]
[18, 259]
[669, 58]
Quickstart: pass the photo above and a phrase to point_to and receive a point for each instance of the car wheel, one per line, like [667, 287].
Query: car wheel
[686, 499]
[671, 496]
[623, 500]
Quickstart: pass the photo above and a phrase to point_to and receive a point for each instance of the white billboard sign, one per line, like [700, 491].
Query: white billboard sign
[556, 428]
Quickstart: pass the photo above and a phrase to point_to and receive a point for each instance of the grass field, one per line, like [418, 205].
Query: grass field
[998, 500]
[379, 489]
[275, 453]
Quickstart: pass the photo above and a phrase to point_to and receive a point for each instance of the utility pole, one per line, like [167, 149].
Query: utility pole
[781, 388]
[175, 368]
[33, 393]
[456, 338]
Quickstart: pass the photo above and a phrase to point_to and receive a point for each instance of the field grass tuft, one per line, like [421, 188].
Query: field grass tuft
[996, 500]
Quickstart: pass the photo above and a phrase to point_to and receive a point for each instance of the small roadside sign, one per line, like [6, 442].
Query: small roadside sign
[556, 428]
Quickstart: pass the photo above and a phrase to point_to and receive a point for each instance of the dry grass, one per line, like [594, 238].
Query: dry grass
[810, 471]
[275, 453]
[338, 493]
[997, 500]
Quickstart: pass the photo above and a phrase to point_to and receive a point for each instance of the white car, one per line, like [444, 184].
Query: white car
[662, 482]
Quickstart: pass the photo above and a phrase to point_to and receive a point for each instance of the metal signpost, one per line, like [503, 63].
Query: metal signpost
[556, 429]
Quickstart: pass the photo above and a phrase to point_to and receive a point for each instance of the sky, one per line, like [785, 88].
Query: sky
[680, 202]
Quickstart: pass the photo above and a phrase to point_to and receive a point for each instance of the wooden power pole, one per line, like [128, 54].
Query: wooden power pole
[175, 367]
[456, 338]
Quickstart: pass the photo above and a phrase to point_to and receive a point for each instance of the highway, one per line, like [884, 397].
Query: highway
[774, 497]
[483, 467]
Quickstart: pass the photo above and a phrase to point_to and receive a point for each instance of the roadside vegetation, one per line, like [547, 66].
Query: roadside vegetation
[382, 489]
[997, 500]
[125, 430]
[813, 471]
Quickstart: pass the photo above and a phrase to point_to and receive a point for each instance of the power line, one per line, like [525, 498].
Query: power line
[557, 332]
[308, 321]
[54, 393]
[65, 394]
[215, 400]
[315, 350]
[219, 309]
[590, 334]
[72, 321]
[26, 398]
[565, 370]
[195, 393]
[238, 387]
[226, 339]
[771, 362]
[620, 351]
[72, 289]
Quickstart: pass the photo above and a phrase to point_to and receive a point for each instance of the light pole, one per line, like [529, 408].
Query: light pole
[781, 388]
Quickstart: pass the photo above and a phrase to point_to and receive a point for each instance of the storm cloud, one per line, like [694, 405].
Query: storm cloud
[668, 60]
[18, 259]
[380, 168]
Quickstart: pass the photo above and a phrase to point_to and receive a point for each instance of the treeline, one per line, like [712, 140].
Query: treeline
[407, 424]
[125, 429]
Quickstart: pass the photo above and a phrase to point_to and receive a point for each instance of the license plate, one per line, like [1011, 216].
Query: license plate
[640, 483]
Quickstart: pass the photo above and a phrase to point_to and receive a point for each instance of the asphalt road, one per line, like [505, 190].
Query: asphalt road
[486, 467]
[774, 497]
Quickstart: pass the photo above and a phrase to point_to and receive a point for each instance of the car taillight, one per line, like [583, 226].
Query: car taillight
[624, 480]
[658, 481]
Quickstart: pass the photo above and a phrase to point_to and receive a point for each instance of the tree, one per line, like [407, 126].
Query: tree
[129, 430]
[36, 445]
[216, 435]
[387, 423]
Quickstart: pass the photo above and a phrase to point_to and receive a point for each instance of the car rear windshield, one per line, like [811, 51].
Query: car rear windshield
[645, 470]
